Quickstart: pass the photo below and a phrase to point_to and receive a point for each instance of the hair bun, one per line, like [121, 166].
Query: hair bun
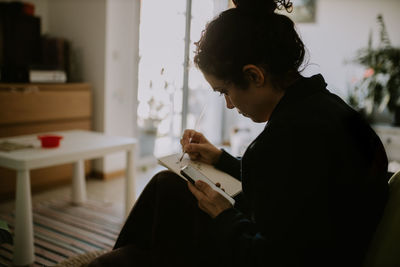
[269, 6]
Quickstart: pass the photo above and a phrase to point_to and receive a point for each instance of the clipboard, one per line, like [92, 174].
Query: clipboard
[231, 185]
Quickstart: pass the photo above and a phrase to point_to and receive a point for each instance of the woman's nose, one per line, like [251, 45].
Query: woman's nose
[229, 102]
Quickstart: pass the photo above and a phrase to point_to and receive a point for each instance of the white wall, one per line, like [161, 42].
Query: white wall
[105, 33]
[121, 73]
[343, 27]
[83, 23]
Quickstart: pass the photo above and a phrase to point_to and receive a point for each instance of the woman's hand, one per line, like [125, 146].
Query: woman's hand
[199, 149]
[210, 201]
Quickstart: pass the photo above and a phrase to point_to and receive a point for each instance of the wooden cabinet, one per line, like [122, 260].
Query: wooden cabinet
[40, 108]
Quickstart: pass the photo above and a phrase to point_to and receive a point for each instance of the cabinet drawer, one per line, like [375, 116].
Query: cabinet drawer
[44, 103]
[42, 127]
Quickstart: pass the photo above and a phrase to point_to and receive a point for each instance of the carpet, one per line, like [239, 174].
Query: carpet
[62, 230]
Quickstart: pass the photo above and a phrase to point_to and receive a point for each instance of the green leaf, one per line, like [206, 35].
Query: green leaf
[4, 226]
[5, 234]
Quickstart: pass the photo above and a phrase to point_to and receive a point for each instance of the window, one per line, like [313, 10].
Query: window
[169, 97]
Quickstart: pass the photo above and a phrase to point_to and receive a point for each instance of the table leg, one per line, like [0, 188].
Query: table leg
[130, 193]
[78, 183]
[23, 236]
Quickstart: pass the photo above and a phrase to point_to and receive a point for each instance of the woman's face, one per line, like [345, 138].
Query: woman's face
[256, 102]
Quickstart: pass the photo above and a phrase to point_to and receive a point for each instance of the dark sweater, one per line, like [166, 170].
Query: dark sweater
[314, 185]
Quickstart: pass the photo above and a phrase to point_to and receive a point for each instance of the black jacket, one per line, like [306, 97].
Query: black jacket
[314, 185]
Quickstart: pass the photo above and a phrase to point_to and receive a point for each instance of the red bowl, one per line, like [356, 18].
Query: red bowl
[50, 140]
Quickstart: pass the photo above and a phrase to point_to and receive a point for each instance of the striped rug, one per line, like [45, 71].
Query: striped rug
[62, 230]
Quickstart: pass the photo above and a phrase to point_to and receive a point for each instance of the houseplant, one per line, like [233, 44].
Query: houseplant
[5, 234]
[153, 108]
[149, 126]
[379, 87]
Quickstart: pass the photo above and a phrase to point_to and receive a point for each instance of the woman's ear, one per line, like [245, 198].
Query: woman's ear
[254, 74]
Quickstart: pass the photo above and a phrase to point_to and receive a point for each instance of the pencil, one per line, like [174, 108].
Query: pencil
[196, 126]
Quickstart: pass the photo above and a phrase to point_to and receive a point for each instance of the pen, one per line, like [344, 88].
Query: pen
[196, 125]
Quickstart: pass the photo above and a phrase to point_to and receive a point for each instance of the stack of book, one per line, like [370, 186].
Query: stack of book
[47, 76]
[54, 65]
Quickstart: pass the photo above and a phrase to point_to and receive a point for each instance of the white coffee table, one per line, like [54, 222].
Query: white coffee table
[76, 146]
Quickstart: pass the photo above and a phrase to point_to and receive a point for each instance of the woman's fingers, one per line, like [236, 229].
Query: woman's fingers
[187, 134]
[196, 137]
[194, 156]
[198, 147]
[209, 200]
[198, 194]
[197, 152]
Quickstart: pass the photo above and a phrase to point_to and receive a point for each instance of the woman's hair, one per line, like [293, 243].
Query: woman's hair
[250, 33]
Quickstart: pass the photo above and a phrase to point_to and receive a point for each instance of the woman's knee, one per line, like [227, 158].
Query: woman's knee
[168, 184]
[168, 178]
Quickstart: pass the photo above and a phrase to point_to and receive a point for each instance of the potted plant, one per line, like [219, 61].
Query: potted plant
[149, 127]
[379, 88]
[152, 110]
[5, 234]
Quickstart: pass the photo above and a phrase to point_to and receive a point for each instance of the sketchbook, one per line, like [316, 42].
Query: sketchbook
[231, 185]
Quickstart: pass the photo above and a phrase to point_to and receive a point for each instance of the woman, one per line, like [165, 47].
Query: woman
[314, 181]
